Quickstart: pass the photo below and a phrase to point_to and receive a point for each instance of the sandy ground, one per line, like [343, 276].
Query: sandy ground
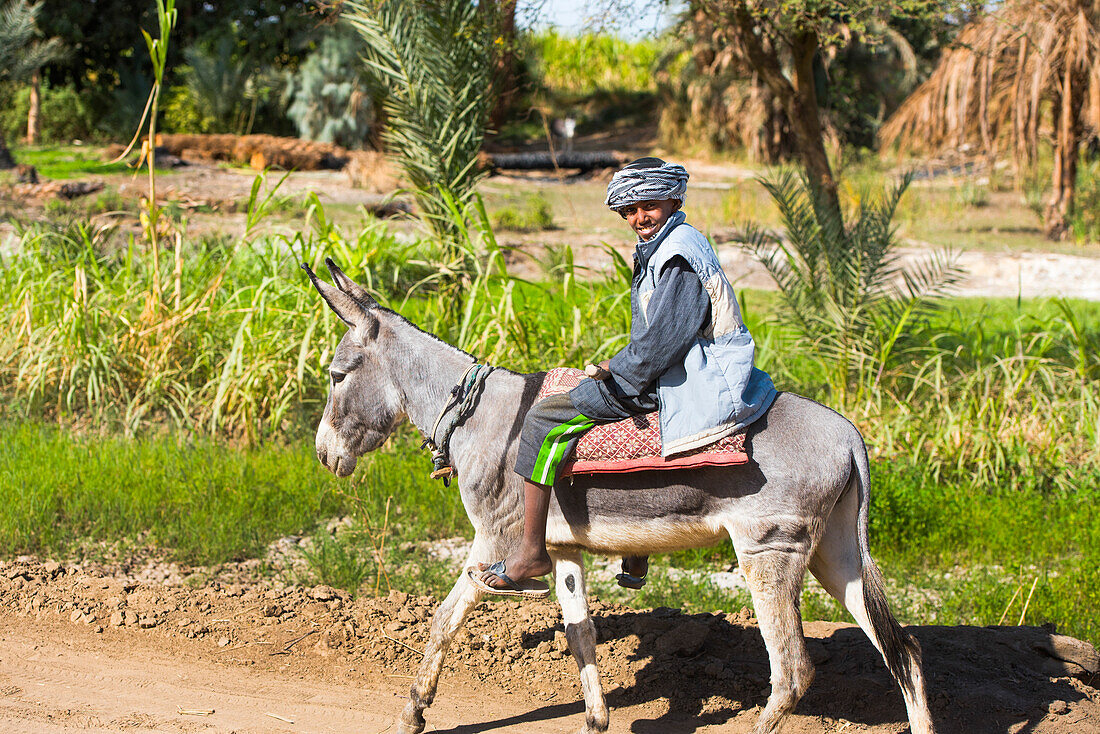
[84, 649]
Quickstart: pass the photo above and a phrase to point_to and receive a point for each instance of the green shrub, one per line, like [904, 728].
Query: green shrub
[532, 215]
[181, 112]
[225, 90]
[326, 99]
[1085, 219]
[119, 103]
[972, 194]
[63, 115]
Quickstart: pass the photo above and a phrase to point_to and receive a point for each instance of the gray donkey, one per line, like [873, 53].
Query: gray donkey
[801, 502]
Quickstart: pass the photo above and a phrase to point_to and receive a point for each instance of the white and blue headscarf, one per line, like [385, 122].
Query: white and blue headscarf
[646, 179]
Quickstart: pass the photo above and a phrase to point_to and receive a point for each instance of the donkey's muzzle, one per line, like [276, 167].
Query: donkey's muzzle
[341, 466]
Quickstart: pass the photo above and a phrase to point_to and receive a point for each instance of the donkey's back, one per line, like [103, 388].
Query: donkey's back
[802, 457]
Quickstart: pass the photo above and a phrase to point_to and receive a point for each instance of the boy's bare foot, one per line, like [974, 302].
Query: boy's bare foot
[519, 567]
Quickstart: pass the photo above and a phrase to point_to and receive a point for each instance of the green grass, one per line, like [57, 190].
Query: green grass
[200, 500]
[990, 543]
[529, 213]
[68, 161]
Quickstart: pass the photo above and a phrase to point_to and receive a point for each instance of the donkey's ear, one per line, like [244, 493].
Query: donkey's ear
[349, 286]
[350, 311]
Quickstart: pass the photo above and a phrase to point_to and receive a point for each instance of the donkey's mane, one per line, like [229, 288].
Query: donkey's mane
[448, 345]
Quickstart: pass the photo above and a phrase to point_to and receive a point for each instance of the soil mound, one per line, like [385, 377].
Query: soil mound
[704, 668]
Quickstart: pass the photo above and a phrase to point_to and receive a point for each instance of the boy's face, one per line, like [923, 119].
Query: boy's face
[647, 217]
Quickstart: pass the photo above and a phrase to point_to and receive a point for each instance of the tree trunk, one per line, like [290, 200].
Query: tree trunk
[799, 100]
[35, 106]
[6, 160]
[805, 118]
[1067, 123]
[507, 88]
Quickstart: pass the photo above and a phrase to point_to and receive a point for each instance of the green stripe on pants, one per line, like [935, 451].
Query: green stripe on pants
[553, 447]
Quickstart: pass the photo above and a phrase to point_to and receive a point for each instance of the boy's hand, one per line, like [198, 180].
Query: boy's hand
[599, 372]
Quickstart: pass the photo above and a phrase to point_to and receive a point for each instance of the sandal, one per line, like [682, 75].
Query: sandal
[530, 588]
[628, 580]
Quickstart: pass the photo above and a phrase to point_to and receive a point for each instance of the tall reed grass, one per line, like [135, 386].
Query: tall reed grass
[230, 342]
[238, 344]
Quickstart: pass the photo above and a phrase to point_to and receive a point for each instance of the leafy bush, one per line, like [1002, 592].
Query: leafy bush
[1085, 219]
[63, 114]
[119, 107]
[533, 215]
[181, 112]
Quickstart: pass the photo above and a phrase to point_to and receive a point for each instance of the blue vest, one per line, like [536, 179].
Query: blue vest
[716, 390]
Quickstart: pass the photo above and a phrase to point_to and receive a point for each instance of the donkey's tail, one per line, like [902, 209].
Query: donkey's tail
[900, 650]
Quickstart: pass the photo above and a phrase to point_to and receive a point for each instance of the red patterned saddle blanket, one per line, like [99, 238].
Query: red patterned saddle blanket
[634, 444]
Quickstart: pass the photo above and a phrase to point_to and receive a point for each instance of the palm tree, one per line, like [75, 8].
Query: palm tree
[432, 64]
[782, 43]
[1005, 71]
[720, 99]
[21, 54]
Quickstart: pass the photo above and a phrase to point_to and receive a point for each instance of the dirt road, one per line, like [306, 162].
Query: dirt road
[57, 677]
[84, 650]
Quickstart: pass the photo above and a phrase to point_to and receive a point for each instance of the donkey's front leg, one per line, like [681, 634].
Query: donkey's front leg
[447, 621]
[580, 632]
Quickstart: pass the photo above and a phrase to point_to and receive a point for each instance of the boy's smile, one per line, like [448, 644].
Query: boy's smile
[647, 217]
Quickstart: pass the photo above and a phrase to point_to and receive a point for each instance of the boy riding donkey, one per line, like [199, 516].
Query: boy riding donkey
[690, 355]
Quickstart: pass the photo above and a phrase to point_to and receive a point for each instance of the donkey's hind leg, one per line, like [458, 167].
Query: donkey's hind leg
[447, 621]
[839, 564]
[774, 571]
[580, 632]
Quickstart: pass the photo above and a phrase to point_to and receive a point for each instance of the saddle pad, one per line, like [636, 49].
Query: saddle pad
[634, 444]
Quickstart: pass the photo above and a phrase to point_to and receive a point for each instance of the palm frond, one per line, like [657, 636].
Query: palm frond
[431, 63]
[995, 81]
[21, 53]
[840, 284]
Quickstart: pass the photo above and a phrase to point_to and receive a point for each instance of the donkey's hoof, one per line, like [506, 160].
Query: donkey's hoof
[586, 729]
[411, 721]
[595, 724]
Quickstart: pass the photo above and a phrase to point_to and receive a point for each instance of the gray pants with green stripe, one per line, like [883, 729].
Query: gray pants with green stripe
[550, 432]
[553, 426]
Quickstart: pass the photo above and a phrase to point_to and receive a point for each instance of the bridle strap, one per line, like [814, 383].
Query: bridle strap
[463, 398]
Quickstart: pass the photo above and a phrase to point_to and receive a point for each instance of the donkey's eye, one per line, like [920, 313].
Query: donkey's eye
[337, 377]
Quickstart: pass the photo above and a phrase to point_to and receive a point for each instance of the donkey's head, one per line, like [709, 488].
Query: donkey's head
[363, 403]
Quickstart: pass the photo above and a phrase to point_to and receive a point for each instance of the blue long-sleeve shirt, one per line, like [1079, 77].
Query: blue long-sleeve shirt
[678, 309]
